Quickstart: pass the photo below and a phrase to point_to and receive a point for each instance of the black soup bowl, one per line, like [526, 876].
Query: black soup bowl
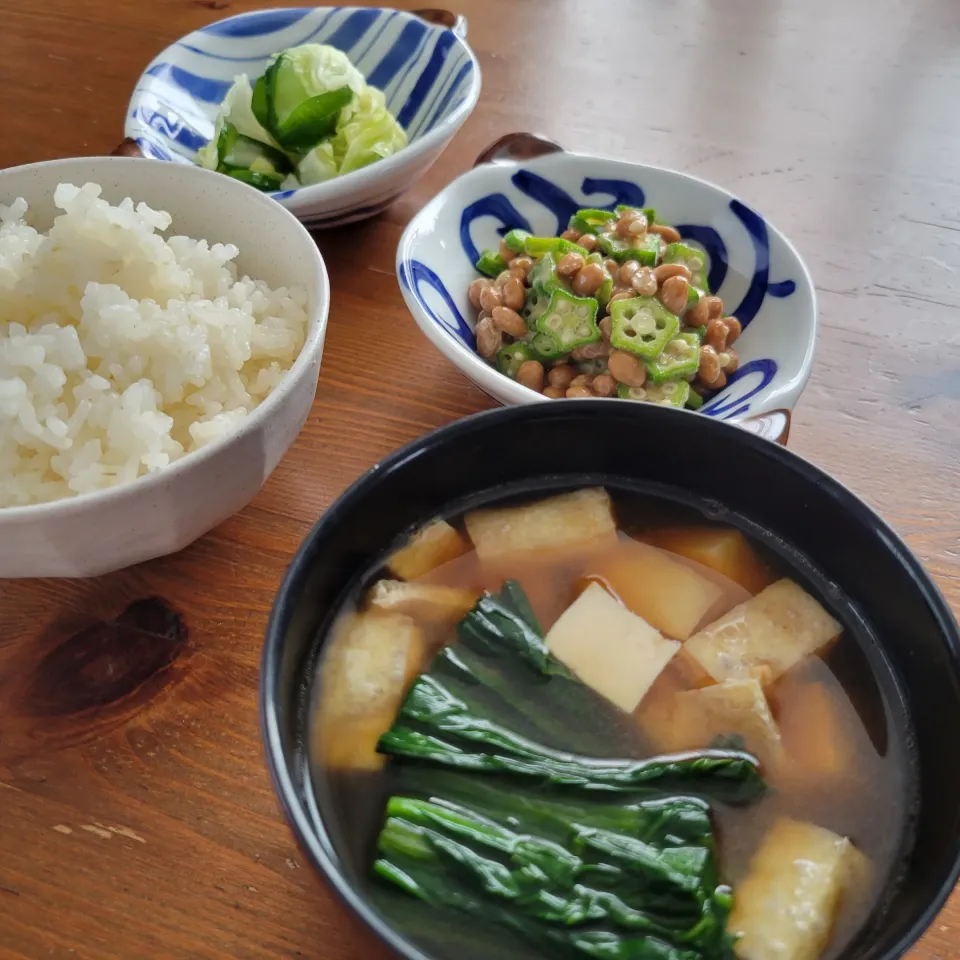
[825, 532]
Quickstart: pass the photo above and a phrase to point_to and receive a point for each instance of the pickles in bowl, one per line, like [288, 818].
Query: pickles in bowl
[410, 75]
[311, 116]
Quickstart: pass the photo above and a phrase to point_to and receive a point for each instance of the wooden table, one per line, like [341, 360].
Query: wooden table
[136, 816]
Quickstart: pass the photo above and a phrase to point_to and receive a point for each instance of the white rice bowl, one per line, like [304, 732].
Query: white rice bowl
[122, 351]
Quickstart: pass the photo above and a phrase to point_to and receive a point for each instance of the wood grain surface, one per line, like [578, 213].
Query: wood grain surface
[136, 816]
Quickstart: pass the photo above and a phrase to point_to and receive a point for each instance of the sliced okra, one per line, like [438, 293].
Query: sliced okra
[589, 220]
[679, 358]
[631, 393]
[491, 263]
[546, 347]
[606, 288]
[642, 325]
[570, 320]
[673, 394]
[535, 306]
[646, 250]
[693, 258]
[511, 357]
[538, 246]
[544, 277]
[516, 240]
[605, 291]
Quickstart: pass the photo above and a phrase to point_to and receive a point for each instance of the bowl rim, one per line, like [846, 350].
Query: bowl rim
[334, 189]
[350, 499]
[489, 379]
[312, 347]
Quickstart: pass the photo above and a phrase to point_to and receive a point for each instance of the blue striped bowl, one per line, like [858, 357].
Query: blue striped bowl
[429, 75]
[753, 267]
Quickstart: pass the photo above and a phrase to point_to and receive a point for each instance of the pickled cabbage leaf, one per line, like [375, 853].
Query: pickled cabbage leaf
[318, 165]
[359, 133]
[366, 132]
[316, 69]
[235, 109]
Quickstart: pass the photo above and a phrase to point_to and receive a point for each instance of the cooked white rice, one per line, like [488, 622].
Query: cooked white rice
[122, 351]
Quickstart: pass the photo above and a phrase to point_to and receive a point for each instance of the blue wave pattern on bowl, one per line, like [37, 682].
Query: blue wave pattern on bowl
[742, 385]
[423, 72]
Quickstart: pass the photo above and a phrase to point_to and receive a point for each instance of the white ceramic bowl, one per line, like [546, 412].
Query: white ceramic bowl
[525, 181]
[421, 62]
[164, 511]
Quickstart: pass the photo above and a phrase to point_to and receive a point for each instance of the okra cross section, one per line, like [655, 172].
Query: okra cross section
[512, 357]
[676, 393]
[570, 320]
[535, 306]
[679, 358]
[545, 346]
[642, 326]
[693, 258]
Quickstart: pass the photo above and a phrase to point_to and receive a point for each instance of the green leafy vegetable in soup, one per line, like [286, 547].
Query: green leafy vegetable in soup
[562, 871]
[436, 727]
[651, 901]
[619, 753]
[315, 114]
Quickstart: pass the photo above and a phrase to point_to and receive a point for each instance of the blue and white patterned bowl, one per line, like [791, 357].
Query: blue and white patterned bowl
[754, 268]
[429, 75]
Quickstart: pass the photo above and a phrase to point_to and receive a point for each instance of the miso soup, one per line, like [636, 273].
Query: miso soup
[602, 724]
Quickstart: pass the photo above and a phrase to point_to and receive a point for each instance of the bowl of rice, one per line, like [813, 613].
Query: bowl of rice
[161, 330]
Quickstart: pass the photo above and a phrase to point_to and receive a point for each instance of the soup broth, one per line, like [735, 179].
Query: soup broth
[703, 665]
